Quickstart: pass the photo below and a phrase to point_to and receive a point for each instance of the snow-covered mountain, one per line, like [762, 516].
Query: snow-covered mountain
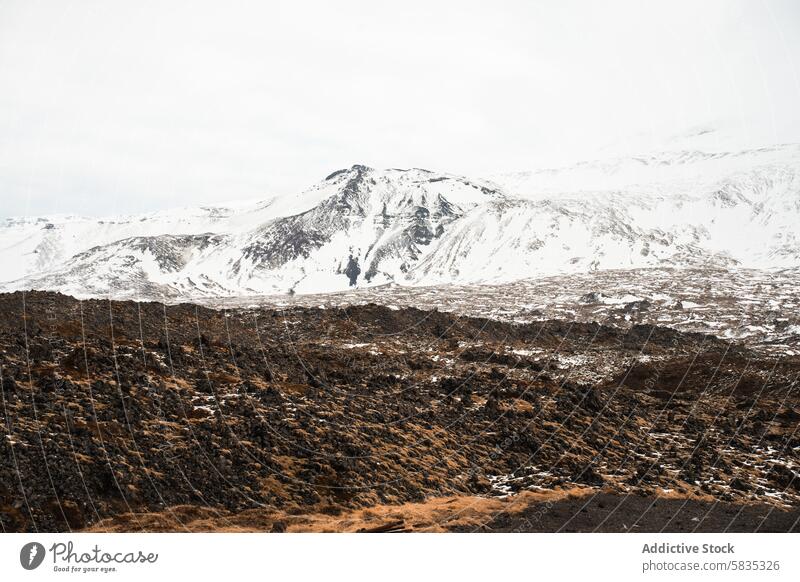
[362, 226]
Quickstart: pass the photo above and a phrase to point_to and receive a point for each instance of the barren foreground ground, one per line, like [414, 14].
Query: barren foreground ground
[580, 510]
[130, 417]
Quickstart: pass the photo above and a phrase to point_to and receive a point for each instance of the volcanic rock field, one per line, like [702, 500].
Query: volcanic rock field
[150, 417]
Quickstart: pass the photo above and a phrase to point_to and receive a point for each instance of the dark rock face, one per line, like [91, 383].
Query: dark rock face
[352, 270]
[282, 241]
[139, 407]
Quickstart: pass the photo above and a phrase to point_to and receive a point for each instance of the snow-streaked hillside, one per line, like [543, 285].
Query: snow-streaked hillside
[361, 226]
[687, 172]
[39, 244]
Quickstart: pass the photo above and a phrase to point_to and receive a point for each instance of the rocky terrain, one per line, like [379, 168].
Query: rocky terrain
[757, 308]
[143, 416]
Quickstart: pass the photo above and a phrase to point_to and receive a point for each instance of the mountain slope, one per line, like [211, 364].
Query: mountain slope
[362, 226]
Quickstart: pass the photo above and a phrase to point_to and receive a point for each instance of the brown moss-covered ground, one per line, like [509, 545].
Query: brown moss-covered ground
[117, 415]
[564, 510]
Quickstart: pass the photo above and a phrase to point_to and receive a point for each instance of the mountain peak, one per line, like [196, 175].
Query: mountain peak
[355, 168]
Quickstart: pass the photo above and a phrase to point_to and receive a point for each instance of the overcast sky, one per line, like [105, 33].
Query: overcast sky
[119, 107]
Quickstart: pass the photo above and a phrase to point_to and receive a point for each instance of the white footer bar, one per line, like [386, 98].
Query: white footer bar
[409, 557]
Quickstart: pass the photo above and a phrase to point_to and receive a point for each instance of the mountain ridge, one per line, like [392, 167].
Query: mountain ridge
[362, 226]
